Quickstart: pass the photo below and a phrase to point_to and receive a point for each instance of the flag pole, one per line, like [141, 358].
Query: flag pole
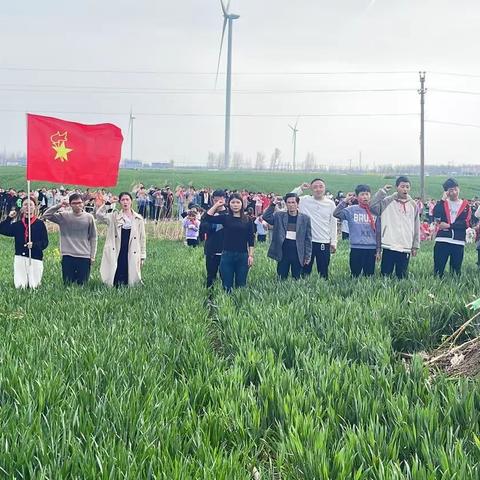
[29, 224]
[28, 207]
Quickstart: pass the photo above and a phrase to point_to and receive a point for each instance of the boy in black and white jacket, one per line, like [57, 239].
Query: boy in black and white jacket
[452, 216]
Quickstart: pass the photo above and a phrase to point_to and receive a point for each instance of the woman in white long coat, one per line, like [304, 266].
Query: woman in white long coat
[125, 245]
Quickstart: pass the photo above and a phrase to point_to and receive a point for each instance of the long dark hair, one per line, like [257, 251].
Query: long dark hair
[237, 196]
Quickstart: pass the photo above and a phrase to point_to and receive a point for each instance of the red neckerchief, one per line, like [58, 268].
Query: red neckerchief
[369, 214]
[446, 207]
[32, 221]
[403, 204]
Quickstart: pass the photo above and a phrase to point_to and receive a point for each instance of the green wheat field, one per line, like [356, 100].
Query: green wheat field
[278, 182]
[293, 380]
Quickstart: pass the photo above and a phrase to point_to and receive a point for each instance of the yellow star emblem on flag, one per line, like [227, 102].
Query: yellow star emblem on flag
[59, 141]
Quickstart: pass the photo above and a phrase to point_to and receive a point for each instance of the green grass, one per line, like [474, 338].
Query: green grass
[278, 182]
[298, 379]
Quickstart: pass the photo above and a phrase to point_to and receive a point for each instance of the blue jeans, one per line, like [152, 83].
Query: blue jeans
[234, 266]
[180, 210]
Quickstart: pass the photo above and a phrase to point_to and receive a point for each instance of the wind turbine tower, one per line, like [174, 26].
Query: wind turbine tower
[228, 19]
[294, 132]
[130, 128]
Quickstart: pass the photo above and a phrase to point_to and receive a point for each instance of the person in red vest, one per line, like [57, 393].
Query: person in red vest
[452, 217]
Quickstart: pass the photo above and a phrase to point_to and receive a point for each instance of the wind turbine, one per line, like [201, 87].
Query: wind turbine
[228, 19]
[294, 131]
[130, 130]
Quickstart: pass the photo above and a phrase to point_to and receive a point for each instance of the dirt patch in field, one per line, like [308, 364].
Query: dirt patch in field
[454, 360]
[459, 361]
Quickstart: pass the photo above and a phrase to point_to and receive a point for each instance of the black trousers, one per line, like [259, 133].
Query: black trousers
[192, 242]
[261, 238]
[121, 274]
[212, 262]
[158, 209]
[320, 253]
[397, 261]
[289, 262]
[442, 252]
[75, 269]
[362, 260]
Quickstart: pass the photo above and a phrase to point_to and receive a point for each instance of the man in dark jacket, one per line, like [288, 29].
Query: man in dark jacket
[213, 236]
[452, 216]
[3, 202]
[291, 243]
[11, 201]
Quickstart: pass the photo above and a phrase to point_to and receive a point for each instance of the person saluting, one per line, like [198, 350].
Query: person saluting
[29, 245]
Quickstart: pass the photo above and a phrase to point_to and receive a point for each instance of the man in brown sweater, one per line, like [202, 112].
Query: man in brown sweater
[78, 239]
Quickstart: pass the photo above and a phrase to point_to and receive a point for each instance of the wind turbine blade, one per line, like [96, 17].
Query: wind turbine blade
[221, 47]
[224, 9]
[291, 127]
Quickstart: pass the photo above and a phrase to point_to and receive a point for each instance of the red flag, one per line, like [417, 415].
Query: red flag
[68, 152]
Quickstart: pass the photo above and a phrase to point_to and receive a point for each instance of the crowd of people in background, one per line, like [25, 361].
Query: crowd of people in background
[153, 203]
[303, 229]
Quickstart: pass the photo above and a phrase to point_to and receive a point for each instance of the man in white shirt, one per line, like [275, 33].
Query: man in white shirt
[324, 225]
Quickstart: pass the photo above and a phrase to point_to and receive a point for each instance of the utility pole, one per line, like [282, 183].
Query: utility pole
[422, 92]
[360, 160]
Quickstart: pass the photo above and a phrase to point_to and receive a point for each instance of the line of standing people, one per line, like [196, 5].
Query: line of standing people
[385, 227]
[123, 255]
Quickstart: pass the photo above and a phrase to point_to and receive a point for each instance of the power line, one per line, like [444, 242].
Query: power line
[221, 115]
[463, 92]
[455, 74]
[188, 73]
[14, 68]
[457, 124]
[153, 91]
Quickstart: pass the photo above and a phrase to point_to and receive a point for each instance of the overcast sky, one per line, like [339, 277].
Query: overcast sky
[126, 36]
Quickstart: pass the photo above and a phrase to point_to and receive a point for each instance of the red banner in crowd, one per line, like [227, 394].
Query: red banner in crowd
[72, 153]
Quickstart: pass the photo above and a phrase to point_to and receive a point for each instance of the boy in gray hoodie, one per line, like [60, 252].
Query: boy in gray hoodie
[364, 230]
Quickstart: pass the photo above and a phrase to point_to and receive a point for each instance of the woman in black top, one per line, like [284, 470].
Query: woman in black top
[29, 245]
[238, 241]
